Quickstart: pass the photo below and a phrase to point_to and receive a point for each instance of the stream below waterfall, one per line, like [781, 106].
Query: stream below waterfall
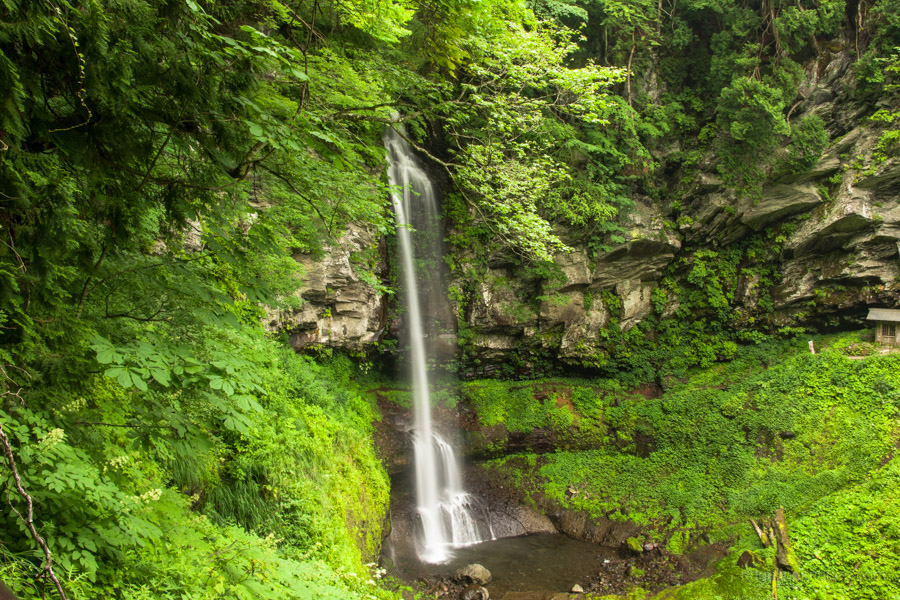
[538, 562]
[541, 564]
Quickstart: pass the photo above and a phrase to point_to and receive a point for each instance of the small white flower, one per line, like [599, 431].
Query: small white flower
[51, 439]
[150, 496]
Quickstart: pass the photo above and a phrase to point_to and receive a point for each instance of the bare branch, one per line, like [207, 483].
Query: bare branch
[28, 519]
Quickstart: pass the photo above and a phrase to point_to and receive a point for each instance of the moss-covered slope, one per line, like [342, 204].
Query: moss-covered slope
[776, 427]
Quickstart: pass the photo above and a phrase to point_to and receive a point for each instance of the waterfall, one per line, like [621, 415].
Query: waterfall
[443, 505]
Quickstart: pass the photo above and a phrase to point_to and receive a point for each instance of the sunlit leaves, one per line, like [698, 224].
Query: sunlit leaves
[518, 80]
[382, 19]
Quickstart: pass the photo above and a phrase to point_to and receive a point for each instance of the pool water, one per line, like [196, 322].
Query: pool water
[537, 562]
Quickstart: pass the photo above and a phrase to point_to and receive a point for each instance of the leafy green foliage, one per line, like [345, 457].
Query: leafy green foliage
[808, 139]
[514, 406]
[116, 473]
[749, 113]
[160, 164]
[516, 88]
[890, 138]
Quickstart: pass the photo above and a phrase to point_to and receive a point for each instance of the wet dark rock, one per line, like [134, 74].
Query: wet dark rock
[602, 530]
[747, 559]
[444, 587]
[474, 592]
[393, 437]
[654, 571]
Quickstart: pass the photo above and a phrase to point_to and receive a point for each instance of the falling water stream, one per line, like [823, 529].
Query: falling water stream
[444, 533]
[443, 506]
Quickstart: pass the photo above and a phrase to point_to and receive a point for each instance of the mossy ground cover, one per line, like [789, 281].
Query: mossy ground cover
[777, 426]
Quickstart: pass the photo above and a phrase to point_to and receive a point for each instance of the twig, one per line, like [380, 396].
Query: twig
[140, 267]
[628, 73]
[412, 143]
[351, 109]
[79, 57]
[101, 424]
[796, 104]
[287, 181]
[155, 159]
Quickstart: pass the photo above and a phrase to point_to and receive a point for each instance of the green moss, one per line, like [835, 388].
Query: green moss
[729, 582]
[679, 542]
[636, 544]
[733, 442]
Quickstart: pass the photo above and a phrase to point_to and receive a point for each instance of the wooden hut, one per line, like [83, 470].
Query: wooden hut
[886, 324]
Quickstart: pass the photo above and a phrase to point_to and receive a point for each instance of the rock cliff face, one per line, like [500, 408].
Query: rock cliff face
[570, 315]
[841, 252]
[836, 227]
[340, 306]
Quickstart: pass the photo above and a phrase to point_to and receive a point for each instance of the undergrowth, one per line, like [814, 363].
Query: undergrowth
[775, 427]
[134, 506]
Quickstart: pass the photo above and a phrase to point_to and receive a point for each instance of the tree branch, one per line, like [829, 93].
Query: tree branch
[412, 143]
[302, 196]
[28, 519]
[155, 159]
[352, 109]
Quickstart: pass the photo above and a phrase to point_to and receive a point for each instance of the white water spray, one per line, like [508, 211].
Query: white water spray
[442, 504]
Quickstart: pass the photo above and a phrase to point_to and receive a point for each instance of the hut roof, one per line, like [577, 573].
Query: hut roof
[884, 314]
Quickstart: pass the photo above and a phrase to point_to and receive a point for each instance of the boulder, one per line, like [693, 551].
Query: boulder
[563, 307]
[495, 306]
[636, 301]
[575, 266]
[474, 573]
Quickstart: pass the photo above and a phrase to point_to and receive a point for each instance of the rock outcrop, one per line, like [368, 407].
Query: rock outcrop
[565, 313]
[834, 246]
[340, 307]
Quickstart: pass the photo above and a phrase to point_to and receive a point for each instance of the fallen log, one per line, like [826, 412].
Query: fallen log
[786, 558]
